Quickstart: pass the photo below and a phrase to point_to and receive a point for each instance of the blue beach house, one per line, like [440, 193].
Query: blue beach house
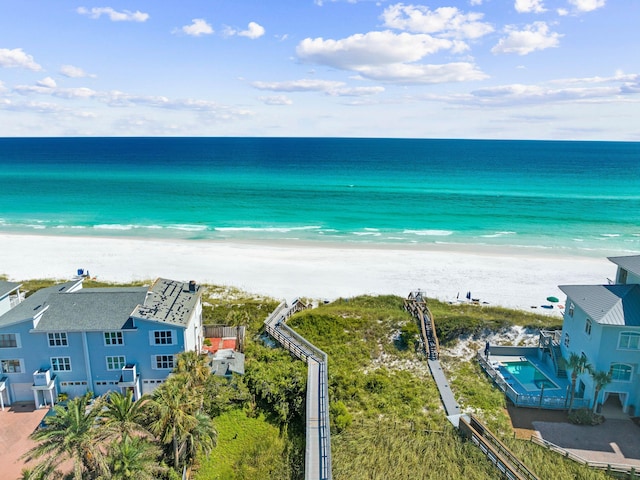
[602, 322]
[68, 339]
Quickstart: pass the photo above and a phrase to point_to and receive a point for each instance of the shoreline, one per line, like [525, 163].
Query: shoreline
[288, 269]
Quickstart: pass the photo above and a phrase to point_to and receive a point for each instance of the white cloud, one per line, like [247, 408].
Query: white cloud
[563, 12]
[389, 57]
[17, 58]
[587, 5]
[305, 85]
[47, 82]
[534, 37]
[114, 16]
[475, 2]
[335, 89]
[424, 74]
[445, 21]
[276, 100]
[529, 6]
[373, 48]
[253, 31]
[74, 72]
[197, 28]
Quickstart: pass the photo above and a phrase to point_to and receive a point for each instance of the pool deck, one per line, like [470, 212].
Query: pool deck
[562, 383]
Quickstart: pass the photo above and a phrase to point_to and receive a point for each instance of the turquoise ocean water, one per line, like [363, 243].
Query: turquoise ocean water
[569, 197]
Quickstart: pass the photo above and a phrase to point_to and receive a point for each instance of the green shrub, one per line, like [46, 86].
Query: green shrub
[585, 416]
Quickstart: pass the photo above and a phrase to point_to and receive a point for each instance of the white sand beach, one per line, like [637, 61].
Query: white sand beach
[287, 270]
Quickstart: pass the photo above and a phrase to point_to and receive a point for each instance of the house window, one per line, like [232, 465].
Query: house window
[113, 338]
[620, 372]
[58, 339]
[623, 276]
[587, 326]
[629, 341]
[61, 364]
[571, 309]
[566, 340]
[163, 362]
[116, 363]
[162, 337]
[8, 340]
[11, 366]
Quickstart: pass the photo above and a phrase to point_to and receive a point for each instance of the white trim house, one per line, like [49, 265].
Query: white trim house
[69, 339]
[602, 322]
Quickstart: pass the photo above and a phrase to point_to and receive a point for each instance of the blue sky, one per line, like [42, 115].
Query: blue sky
[523, 69]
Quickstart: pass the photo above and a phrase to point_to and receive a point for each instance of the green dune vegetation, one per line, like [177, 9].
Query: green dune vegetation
[387, 421]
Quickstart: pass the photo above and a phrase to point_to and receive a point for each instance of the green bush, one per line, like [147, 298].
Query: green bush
[585, 416]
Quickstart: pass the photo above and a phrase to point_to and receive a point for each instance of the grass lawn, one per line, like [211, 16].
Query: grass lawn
[248, 448]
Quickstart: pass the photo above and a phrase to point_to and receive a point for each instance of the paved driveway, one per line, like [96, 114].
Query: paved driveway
[17, 422]
[614, 441]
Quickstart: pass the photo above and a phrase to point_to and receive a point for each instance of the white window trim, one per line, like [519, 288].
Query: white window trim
[22, 370]
[124, 362]
[66, 339]
[58, 371]
[152, 338]
[588, 326]
[104, 338]
[630, 373]
[18, 342]
[154, 361]
[635, 334]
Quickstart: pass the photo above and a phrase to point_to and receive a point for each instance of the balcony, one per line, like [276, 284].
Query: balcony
[42, 377]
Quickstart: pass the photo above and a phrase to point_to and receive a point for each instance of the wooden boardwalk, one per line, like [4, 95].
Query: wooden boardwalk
[505, 461]
[317, 461]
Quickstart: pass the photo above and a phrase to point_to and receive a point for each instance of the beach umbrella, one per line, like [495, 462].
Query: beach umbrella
[552, 299]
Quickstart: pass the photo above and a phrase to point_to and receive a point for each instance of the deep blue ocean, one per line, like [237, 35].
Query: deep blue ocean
[572, 197]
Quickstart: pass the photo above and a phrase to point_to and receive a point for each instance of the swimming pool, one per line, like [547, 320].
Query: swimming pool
[528, 375]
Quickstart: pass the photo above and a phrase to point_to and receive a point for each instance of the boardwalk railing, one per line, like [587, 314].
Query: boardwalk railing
[616, 468]
[318, 448]
[528, 400]
[416, 304]
[495, 450]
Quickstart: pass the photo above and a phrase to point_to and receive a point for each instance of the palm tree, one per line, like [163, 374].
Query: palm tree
[578, 364]
[70, 434]
[133, 458]
[203, 437]
[173, 411]
[194, 366]
[123, 417]
[601, 380]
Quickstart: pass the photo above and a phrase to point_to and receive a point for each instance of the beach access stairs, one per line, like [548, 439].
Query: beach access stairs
[505, 461]
[469, 426]
[550, 342]
[317, 462]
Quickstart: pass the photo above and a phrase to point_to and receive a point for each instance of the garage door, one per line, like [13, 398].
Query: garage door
[21, 392]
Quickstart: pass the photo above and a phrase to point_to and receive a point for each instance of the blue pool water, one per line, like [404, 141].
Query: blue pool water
[528, 375]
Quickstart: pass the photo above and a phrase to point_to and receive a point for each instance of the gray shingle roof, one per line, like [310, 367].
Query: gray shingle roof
[99, 309]
[7, 287]
[631, 263]
[91, 309]
[169, 301]
[33, 304]
[607, 304]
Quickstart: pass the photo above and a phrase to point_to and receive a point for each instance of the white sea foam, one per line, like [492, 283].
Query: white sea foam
[266, 229]
[36, 226]
[498, 234]
[610, 235]
[367, 234]
[429, 233]
[113, 226]
[188, 228]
